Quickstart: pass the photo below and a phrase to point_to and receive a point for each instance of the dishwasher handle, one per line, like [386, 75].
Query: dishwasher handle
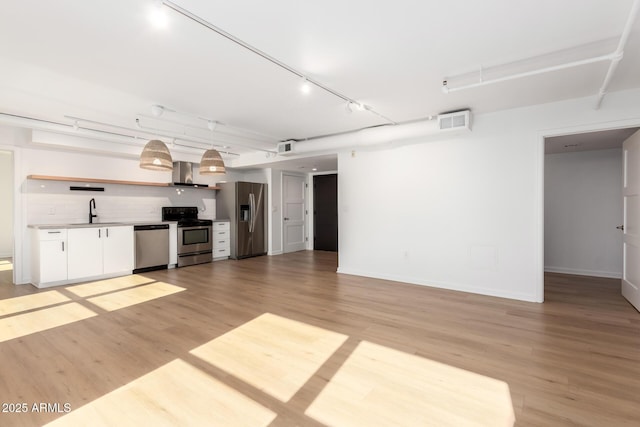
[151, 227]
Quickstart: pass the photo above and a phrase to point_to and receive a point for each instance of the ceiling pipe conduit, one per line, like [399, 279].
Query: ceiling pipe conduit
[613, 57]
[619, 53]
[601, 58]
[368, 137]
[95, 134]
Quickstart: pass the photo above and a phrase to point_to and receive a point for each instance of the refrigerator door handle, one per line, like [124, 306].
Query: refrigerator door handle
[252, 212]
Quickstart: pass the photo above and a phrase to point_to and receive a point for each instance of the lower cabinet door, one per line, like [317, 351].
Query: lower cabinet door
[84, 253]
[53, 261]
[118, 249]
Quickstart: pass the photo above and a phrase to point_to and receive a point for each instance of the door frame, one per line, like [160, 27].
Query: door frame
[20, 232]
[542, 134]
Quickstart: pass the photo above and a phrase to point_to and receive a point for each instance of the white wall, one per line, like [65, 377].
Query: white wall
[6, 204]
[463, 211]
[275, 212]
[583, 206]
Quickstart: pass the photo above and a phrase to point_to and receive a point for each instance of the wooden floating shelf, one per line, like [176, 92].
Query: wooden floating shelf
[113, 181]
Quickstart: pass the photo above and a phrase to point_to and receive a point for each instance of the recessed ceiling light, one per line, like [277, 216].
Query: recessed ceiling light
[158, 15]
[314, 169]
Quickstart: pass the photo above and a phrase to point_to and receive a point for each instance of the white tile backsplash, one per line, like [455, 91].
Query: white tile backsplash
[52, 202]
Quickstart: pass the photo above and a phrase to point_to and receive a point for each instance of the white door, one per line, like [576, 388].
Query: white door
[631, 245]
[293, 213]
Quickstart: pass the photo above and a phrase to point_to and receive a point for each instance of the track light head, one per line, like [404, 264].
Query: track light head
[356, 106]
[157, 110]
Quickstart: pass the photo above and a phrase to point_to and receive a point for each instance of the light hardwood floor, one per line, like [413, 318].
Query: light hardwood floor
[574, 360]
[6, 271]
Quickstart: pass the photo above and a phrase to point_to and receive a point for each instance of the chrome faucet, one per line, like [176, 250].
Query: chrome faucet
[91, 214]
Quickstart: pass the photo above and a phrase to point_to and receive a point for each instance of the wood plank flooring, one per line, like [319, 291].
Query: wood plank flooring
[6, 271]
[574, 360]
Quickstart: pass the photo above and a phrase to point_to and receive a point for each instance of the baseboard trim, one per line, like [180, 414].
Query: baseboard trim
[582, 272]
[441, 285]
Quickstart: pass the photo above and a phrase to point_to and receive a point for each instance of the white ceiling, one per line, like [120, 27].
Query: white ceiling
[104, 61]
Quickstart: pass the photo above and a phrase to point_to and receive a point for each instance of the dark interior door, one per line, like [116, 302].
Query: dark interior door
[325, 212]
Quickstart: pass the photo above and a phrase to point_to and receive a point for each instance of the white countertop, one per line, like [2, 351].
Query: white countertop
[99, 224]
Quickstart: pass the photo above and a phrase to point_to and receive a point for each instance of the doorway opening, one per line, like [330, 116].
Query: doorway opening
[325, 212]
[6, 217]
[583, 203]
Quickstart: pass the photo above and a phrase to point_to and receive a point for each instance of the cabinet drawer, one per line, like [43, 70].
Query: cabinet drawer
[221, 226]
[223, 252]
[52, 234]
[220, 235]
[221, 243]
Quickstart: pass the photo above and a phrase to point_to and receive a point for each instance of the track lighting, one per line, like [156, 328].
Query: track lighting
[306, 87]
[356, 106]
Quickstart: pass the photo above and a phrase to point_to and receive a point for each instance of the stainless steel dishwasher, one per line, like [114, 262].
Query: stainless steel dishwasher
[152, 247]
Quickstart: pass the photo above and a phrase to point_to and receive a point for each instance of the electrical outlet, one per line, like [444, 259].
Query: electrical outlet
[51, 210]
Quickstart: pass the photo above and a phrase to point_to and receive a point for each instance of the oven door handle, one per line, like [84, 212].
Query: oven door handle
[252, 211]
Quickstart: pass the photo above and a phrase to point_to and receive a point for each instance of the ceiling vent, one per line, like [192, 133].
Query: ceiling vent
[286, 148]
[455, 121]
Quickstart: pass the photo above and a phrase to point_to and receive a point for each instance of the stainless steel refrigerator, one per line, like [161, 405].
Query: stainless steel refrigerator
[244, 204]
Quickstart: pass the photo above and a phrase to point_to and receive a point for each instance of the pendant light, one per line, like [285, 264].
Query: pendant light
[211, 162]
[156, 156]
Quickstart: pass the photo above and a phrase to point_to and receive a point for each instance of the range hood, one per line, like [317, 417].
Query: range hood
[183, 175]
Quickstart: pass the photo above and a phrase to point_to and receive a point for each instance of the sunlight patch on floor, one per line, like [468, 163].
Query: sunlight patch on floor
[6, 266]
[378, 385]
[30, 302]
[272, 353]
[108, 285]
[176, 394]
[133, 296]
[41, 320]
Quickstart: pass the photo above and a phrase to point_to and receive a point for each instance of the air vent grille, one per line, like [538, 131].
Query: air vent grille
[285, 148]
[455, 121]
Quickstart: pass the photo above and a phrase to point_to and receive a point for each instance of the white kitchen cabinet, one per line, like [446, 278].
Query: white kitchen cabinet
[49, 257]
[221, 240]
[173, 244]
[85, 252]
[98, 251]
[118, 249]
